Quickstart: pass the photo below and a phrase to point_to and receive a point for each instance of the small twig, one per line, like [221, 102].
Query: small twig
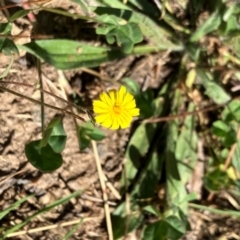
[41, 94]
[12, 175]
[181, 115]
[4, 9]
[94, 73]
[103, 186]
[45, 104]
[45, 228]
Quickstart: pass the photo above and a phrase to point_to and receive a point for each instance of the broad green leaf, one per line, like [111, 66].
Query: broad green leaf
[232, 111]
[126, 34]
[19, 14]
[176, 191]
[7, 46]
[132, 86]
[211, 24]
[122, 223]
[5, 28]
[171, 228]
[86, 133]
[136, 149]
[146, 184]
[44, 158]
[220, 128]
[216, 180]
[213, 89]
[155, 231]
[155, 31]
[186, 147]
[54, 135]
[67, 54]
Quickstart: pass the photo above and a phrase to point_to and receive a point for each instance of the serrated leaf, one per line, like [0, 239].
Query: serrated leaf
[155, 32]
[213, 89]
[126, 34]
[44, 159]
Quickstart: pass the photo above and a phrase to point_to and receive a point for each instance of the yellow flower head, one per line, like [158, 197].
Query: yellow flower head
[115, 108]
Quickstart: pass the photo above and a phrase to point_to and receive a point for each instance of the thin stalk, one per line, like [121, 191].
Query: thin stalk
[45, 104]
[41, 94]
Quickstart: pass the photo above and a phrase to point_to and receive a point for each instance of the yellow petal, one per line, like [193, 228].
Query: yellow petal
[112, 95]
[130, 105]
[128, 98]
[102, 118]
[107, 123]
[100, 107]
[106, 99]
[123, 122]
[134, 112]
[121, 94]
[115, 123]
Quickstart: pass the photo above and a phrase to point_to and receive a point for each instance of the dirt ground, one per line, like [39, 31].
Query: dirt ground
[20, 123]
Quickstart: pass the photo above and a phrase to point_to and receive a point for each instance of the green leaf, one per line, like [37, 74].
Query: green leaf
[43, 158]
[186, 147]
[155, 231]
[220, 128]
[154, 30]
[86, 133]
[132, 86]
[176, 187]
[5, 28]
[232, 111]
[213, 89]
[82, 4]
[211, 24]
[148, 179]
[170, 228]
[67, 54]
[6, 71]
[122, 224]
[216, 180]
[19, 14]
[126, 34]
[8, 47]
[136, 149]
[54, 135]
[235, 159]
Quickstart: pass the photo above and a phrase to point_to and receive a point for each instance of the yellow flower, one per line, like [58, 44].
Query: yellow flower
[115, 108]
